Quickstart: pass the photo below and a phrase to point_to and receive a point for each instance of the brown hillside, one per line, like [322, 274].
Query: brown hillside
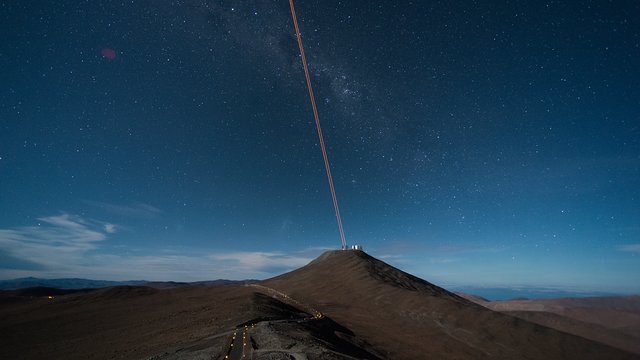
[124, 322]
[368, 310]
[405, 317]
[613, 320]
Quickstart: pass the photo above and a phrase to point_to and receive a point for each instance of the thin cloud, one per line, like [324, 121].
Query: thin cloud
[53, 241]
[391, 257]
[68, 245]
[395, 259]
[443, 260]
[634, 248]
[110, 228]
[467, 248]
[136, 209]
[259, 261]
[317, 249]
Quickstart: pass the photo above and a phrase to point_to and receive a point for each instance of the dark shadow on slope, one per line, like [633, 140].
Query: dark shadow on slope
[325, 331]
[338, 338]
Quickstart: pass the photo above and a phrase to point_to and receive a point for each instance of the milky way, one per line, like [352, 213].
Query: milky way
[486, 144]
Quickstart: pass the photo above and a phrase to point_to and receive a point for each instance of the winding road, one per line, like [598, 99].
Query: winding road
[240, 345]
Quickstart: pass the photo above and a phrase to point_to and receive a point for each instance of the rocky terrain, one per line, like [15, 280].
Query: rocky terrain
[343, 305]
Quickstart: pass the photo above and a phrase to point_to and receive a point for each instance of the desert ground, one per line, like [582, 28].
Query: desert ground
[343, 305]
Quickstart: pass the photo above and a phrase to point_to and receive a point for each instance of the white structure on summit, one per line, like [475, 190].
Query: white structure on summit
[356, 247]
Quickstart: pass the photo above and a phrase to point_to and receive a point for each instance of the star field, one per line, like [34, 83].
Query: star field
[477, 143]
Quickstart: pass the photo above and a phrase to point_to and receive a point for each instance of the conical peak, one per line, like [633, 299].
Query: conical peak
[350, 262]
[348, 267]
[341, 255]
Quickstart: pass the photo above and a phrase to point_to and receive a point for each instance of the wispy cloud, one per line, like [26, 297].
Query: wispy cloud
[443, 260]
[63, 232]
[53, 240]
[69, 245]
[464, 247]
[392, 257]
[260, 261]
[136, 209]
[635, 248]
[316, 250]
[110, 228]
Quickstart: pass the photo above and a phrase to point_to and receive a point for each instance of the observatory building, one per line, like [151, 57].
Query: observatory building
[356, 247]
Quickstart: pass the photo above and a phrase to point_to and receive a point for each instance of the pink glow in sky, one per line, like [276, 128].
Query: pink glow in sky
[108, 53]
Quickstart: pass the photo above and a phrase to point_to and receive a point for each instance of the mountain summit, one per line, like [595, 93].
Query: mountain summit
[343, 305]
[405, 317]
[336, 271]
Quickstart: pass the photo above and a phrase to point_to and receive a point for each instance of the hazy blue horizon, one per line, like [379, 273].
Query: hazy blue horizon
[489, 293]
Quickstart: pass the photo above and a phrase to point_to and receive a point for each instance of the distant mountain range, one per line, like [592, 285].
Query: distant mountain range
[510, 293]
[75, 283]
[489, 293]
[72, 283]
[342, 305]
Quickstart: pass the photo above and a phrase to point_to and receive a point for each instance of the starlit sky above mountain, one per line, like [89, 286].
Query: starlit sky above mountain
[477, 143]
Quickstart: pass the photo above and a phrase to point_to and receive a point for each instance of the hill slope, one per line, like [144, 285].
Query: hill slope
[343, 305]
[610, 320]
[405, 317]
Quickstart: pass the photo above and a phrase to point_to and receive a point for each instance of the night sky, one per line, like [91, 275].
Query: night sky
[479, 143]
